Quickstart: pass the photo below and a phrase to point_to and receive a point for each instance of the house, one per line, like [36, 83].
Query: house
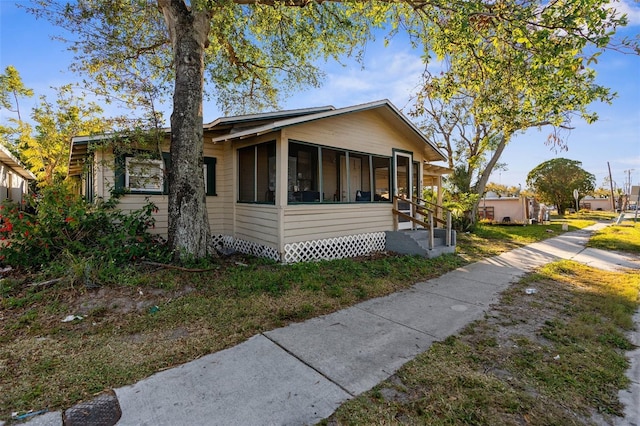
[292, 186]
[510, 209]
[593, 203]
[14, 177]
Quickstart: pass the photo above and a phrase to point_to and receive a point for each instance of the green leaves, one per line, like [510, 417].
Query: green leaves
[46, 148]
[554, 181]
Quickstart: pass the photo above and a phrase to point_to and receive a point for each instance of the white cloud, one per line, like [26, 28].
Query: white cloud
[631, 161]
[386, 74]
[630, 8]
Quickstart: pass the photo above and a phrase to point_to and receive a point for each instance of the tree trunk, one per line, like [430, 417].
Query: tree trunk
[188, 229]
[481, 185]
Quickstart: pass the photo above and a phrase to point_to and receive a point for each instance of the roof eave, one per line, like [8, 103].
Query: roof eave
[14, 164]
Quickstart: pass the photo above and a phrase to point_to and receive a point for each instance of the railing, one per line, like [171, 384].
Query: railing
[419, 207]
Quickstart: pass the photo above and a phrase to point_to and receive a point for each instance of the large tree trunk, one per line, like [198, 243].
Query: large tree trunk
[188, 223]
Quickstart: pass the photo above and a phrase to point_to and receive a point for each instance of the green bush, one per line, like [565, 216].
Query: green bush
[461, 206]
[58, 224]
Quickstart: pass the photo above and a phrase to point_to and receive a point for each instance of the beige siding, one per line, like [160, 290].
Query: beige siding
[365, 132]
[105, 175]
[512, 208]
[12, 185]
[218, 218]
[132, 202]
[257, 223]
[218, 205]
[316, 222]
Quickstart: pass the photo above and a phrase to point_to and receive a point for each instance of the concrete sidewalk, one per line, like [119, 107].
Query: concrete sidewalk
[302, 373]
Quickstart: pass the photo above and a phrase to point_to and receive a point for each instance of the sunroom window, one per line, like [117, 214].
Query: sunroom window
[381, 178]
[303, 173]
[323, 174]
[257, 173]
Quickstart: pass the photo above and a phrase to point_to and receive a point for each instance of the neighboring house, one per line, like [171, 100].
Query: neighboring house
[510, 209]
[14, 177]
[293, 185]
[591, 203]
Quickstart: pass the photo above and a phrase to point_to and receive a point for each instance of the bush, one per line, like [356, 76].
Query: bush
[58, 225]
[461, 207]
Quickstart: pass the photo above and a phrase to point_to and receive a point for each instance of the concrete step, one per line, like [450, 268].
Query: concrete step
[416, 242]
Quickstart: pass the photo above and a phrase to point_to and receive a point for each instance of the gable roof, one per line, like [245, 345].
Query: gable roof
[256, 119]
[279, 123]
[6, 157]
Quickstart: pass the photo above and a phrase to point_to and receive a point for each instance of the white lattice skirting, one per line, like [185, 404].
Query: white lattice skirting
[334, 248]
[246, 247]
[305, 251]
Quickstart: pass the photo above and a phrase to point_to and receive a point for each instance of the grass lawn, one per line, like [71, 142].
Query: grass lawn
[162, 318]
[623, 237]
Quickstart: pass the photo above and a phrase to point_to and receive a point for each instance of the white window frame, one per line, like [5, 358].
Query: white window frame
[151, 169]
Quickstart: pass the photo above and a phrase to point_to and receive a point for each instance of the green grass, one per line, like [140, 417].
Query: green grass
[527, 234]
[552, 358]
[624, 237]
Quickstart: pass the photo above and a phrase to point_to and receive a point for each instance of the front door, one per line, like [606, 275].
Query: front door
[403, 186]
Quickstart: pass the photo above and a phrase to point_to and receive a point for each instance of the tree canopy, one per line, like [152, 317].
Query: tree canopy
[510, 66]
[524, 63]
[42, 143]
[46, 148]
[555, 180]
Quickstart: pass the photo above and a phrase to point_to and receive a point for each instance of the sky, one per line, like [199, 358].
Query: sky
[392, 73]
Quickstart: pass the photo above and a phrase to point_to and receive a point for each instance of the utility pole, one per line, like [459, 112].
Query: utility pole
[627, 189]
[613, 199]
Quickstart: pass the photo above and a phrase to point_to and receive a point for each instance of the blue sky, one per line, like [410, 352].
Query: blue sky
[390, 73]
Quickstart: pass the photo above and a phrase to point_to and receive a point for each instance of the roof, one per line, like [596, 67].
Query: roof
[245, 126]
[14, 164]
[238, 120]
[385, 106]
[433, 169]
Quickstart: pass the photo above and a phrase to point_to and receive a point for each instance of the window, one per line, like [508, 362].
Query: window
[331, 160]
[209, 168]
[303, 173]
[257, 173]
[143, 175]
[322, 174]
[381, 178]
[485, 212]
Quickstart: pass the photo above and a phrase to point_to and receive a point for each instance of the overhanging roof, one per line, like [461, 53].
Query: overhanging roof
[14, 164]
[433, 169]
[267, 116]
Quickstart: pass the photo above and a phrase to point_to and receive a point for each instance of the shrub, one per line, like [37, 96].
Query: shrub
[58, 222]
[461, 207]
